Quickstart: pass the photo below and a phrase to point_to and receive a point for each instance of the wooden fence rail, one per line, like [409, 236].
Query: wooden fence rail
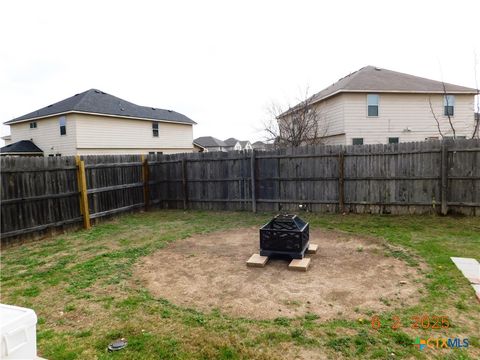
[427, 177]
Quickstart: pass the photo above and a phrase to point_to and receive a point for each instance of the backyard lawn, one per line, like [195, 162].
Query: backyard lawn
[85, 289]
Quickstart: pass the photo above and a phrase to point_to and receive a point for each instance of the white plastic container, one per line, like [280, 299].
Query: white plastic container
[18, 337]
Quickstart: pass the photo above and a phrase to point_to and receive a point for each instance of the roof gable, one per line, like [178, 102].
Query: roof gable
[371, 78]
[99, 102]
[209, 141]
[231, 141]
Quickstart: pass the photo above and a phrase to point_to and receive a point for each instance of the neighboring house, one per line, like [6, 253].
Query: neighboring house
[94, 122]
[378, 106]
[231, 142]
[198, 148]
[21, 148]
[209, 143]
[261, 146]
[7, 139]
[243, 145]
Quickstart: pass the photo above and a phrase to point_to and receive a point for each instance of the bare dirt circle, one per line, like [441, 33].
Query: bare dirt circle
[348, 274]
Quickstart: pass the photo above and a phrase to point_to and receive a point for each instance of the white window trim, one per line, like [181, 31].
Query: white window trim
[445, 103]
[378, 105]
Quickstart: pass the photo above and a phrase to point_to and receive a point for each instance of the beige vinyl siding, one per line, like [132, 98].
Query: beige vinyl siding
[47, 135]
[103, 132]
[331, 114]
[7, 140]
[335, 140]
[131, 151]
[399, 112]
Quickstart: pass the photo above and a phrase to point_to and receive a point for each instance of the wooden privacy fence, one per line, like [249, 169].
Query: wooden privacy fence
[398, 178]
[41, 193]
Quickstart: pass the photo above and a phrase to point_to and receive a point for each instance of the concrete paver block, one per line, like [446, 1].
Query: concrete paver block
[256, 260]
[470, 268]
[312, 249]
[299, 264]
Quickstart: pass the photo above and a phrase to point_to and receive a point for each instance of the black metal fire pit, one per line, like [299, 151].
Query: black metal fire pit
[284, 235]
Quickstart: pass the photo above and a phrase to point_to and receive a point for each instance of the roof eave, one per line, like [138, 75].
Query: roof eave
[10, 122]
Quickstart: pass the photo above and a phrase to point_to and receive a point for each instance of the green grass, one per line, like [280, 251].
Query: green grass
[82, 288]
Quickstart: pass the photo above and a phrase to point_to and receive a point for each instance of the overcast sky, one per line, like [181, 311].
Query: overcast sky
[222, 63]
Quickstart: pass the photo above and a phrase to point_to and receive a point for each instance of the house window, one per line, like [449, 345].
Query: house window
[155, 129]
[449, 105]
[372, 104]
[63, 125]
[159, 152]
[151, 153]
[431, 138]
[357, 141]
[33, 125]
[393, 140]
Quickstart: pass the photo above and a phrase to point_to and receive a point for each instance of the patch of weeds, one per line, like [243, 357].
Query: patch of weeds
[194, 320]
[282, 321]
[227, 353]
[165, 313]
[360, 249]
[131, 302]
[403, 255]
[83, 334]
[293, 303]
[299, 337]
[31, 291]
[401, 338]
[69, 307]
[460, 305]
[311, 316]
[385, 301]
[362, 340]
[45, 334]
[272, 337]
[340, 344]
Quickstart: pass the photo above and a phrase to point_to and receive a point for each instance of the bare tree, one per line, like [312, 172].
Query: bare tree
[435, 117]
[447, 110]
[300, 125]
[476, 116]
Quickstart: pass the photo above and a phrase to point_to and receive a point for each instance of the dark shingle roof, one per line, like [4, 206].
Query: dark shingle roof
[375, 79]
[209, 141]
[99, 102]
[22, 146]
[231, 141]
[371, 78]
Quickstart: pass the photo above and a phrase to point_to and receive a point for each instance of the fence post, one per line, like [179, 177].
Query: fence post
[146, 180]
[341, 181]
[444, 177]
[82, 188]
[252, 178]
[184, 182]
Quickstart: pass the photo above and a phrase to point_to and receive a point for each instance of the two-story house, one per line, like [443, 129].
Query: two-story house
[94, 122]
[379, 106]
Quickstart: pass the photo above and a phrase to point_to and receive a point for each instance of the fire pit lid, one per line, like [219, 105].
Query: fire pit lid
[285, 222]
